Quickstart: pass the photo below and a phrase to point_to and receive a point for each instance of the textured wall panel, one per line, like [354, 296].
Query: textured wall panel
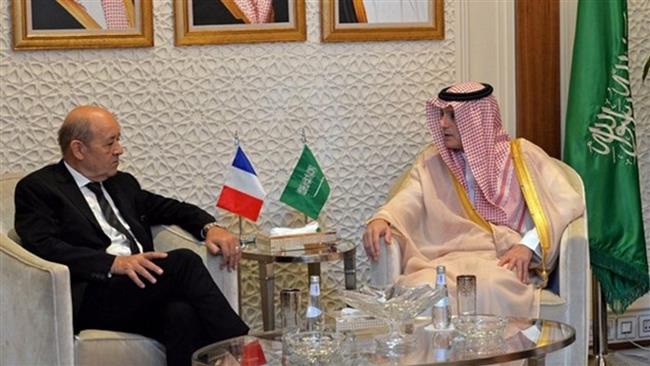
[360, 104]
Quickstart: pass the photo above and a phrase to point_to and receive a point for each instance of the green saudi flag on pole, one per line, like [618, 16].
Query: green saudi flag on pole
[307, 189]
[600, 144]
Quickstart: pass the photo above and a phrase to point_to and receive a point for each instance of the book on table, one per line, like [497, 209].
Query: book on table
[304, 241]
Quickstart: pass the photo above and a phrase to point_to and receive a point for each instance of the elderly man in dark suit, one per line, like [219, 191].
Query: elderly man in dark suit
[84, 213]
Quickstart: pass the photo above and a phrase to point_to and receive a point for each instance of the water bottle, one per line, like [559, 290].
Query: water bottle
[442, 343]
[314, 312]
[441, 315]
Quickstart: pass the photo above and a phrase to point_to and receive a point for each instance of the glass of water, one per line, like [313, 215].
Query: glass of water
[466, 294]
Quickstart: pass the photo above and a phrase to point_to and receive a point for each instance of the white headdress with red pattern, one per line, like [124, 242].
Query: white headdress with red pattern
[486, 147]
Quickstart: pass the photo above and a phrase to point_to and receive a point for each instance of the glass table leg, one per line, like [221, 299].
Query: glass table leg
[266, 288]
[537, 361]
[350, 269]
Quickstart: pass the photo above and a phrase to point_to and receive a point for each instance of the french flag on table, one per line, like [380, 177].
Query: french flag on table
[242, 194]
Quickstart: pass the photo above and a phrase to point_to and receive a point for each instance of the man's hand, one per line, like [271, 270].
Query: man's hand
[219, 240]
[517, 258]
[375, 230]
[138, 265]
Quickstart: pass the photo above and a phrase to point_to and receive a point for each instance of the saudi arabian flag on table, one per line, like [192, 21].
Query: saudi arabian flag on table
[307, 189]
[600, 144]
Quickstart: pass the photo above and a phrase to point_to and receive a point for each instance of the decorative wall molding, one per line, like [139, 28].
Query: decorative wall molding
[568, 13]
[462, 40]
[485, 50]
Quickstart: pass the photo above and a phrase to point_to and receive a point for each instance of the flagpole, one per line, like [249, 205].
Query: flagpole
[599, 324]
[241, 230]
[303, 138]
[241, 224]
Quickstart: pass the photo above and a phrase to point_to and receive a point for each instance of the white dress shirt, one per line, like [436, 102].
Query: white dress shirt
[119, 242]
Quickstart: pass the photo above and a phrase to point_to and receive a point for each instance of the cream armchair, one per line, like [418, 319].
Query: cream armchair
[570, 306]
[36, 305]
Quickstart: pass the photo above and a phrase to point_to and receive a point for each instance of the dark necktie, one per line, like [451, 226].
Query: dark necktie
[110, 215]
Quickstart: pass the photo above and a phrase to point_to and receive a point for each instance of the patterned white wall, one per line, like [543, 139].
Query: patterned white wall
[361, 105]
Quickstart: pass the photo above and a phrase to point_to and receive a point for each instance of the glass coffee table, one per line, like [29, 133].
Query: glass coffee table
[341, 249]
[530, 339]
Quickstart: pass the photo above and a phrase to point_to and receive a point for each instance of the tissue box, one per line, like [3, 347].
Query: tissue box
[298, 241]
[355, 320]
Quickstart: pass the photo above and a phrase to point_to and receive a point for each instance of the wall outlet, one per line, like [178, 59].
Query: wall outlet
[626, 327]
[644, 326]
[634, 325]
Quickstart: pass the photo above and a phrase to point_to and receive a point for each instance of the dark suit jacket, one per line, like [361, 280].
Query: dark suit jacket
[55, 222]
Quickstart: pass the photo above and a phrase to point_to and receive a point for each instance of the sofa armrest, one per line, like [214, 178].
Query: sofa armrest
[388, 267]
[573, 261]
[167, 238]
[575, 280]
[35, 309]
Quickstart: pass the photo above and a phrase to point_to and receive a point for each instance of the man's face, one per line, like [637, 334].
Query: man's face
[449, 129]
[101, 156]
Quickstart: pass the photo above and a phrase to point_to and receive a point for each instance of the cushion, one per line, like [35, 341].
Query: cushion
[107, 348]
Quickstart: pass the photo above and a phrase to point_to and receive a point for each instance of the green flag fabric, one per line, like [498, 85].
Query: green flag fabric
[600, 144]
[307, 189]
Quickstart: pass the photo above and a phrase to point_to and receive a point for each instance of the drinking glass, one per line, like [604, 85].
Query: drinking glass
[290, 309]
[466, 294]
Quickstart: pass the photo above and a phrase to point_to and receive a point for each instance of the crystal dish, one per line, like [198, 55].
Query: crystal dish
[395, 304]
[480, 326]
[312, 347]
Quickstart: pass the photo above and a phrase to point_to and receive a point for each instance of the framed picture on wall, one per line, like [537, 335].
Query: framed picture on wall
[381, 20]
[60, 24]
[238, 21]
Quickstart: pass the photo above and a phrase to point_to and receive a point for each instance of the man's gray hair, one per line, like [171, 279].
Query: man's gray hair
[74, 129]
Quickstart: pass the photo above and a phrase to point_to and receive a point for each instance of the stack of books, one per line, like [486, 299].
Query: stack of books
[297, 241]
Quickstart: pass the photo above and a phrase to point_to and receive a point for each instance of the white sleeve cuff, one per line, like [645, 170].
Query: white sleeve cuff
[531, 240]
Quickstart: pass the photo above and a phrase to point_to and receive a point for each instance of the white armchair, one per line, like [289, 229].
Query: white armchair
[36, 304]
[570, 306]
